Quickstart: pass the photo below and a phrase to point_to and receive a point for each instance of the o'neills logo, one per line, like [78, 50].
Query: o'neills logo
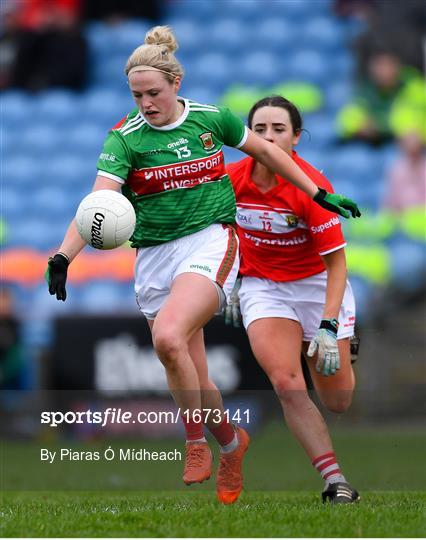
[96, 236]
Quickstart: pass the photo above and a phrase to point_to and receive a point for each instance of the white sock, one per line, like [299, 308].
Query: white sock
[198, 441]
[334, 478]
[230, 446]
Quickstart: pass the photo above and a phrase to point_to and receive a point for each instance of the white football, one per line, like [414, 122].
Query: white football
[105, 219]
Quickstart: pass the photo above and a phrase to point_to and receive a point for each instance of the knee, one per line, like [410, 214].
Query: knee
[337, 401]
[169, 345]
[289, 387]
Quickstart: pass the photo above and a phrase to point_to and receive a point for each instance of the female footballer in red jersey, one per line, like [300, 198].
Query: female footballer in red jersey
[187, 258]
[294, 294]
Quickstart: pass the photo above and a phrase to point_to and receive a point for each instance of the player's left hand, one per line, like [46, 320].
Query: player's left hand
[231, 311]
[337, 203]
[325, 343]
[56, 275]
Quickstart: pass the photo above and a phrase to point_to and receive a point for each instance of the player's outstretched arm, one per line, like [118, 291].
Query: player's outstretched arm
[72, 244]
[278, 161]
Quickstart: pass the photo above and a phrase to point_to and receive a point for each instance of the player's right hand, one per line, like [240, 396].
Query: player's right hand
[231, 311]
[56, 275]
[337, 203]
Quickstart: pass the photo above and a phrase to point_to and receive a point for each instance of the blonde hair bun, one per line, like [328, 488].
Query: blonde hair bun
[162, 36]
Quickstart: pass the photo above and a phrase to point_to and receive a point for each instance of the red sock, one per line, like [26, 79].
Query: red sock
[223, 433]
[327, 465]
[194, 430]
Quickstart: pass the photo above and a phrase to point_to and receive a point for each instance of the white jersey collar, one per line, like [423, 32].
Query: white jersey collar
[177, 122]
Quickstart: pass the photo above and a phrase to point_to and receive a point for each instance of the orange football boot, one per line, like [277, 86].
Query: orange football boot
[198, 463]
[229, 482]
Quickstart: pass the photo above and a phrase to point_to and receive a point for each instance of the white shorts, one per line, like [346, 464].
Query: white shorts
[302, 300]
[211, 252]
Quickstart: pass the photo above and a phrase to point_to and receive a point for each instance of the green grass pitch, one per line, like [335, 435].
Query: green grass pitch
[281, 496]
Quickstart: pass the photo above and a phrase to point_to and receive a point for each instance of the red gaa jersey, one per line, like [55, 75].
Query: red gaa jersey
[282, 232]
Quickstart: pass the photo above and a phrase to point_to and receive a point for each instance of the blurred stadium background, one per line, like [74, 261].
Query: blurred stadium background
[233, 52]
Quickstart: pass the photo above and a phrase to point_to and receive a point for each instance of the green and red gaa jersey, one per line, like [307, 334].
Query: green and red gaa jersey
[174, 175]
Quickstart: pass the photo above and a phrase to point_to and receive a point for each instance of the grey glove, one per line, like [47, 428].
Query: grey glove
[325, 342]
[232, 311]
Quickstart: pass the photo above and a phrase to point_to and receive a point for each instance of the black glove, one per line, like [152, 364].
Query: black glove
[337, 203]
[56, 275]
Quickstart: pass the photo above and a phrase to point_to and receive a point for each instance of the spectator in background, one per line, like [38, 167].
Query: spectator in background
[116, 10]
[398, 27]
[10, 349]
[390, 97]
[44, 45]
[406, 182]
[10, 39]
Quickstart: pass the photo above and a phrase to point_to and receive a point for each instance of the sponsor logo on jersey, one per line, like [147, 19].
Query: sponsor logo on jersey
[107, 157]
[181, 141]
[273, 220]
[207, 140]
[152, 152]
[295, 241]
[332, 222]
[292, 221]
[189, 174]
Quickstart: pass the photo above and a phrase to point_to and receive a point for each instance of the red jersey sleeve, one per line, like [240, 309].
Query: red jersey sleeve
[324, 226]
[235, 171]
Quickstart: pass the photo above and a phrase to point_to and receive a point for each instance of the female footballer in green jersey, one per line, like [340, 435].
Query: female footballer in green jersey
[166, 157]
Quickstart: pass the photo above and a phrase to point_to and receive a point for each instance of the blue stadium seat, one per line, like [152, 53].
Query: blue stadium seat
[43, 138]
[56, 106]
[213, 69]
[324, 33]
[201, 10]
[107, 297]
[363, 293]
[85, 139]
[258, 69]
[343, 66]
[338, 94]
[408, 263]
[296, 10]
[202, 94]
[273, 34]
[16, 107]
[11, 140]
[320, 128]
[129, 34]
[109, 72]
[232, 154]
[356, 162]
[189, 34]
[252, 10]
[42, 307]
[308, 65]
[34, 232]
[21, 171]
[228, 35]
[98, 35]
[12, 202]
[69, 171]
[52, 203]
[106, 106]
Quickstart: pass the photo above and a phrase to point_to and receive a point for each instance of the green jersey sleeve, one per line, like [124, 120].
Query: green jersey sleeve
[114, 158]
[234, 132]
